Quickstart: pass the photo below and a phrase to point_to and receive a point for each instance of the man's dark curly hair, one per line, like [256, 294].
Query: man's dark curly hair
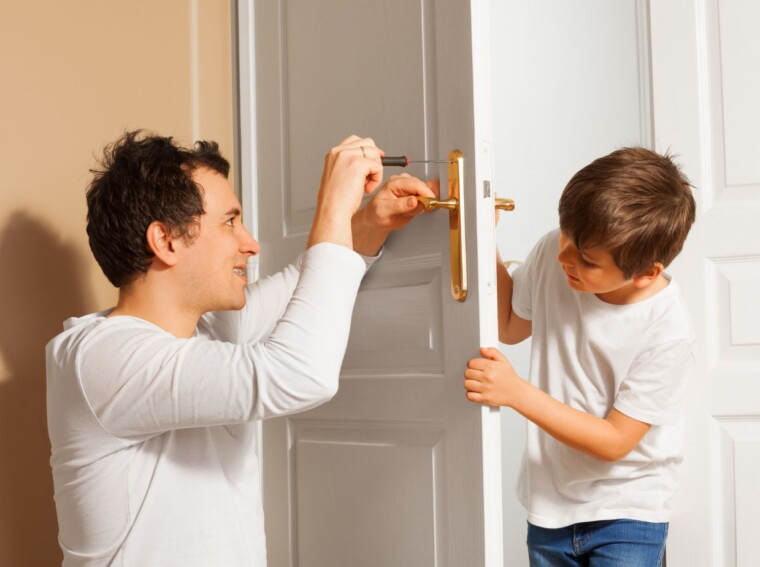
[142, 179]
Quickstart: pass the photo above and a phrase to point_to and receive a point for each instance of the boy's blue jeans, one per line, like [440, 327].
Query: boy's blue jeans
[622, 543]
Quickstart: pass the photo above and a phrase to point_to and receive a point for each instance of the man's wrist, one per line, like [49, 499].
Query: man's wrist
[368, 240]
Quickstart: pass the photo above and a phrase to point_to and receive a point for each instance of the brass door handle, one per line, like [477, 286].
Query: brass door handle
[432, 204]
[505, 204]
[455, 205]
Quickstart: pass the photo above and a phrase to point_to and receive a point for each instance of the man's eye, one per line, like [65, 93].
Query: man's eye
[230, 221]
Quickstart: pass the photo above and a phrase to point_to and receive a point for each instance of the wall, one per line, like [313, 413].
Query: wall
[75, 76]
[567, 79]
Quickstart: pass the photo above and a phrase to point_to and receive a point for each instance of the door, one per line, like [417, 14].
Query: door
[706, 87]
[398, 469]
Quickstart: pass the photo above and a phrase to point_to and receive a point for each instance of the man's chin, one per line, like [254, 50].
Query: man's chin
[232, 305]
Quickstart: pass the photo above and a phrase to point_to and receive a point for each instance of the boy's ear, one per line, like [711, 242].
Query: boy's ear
[648, 276]
[161, 243]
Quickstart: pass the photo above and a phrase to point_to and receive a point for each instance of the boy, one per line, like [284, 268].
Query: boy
[612, 348]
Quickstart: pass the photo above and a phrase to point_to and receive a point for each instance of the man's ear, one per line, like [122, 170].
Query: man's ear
[648, 276]
[161, 243]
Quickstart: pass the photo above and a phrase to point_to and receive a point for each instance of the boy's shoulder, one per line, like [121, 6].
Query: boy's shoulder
[668, 318]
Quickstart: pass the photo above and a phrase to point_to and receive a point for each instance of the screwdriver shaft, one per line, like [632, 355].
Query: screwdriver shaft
[403, 161]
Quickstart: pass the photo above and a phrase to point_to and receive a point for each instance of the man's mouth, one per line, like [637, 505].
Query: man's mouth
[239, 272]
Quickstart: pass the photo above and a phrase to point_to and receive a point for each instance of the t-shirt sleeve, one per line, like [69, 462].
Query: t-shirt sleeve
[523, 280]
[140, 380]
[654, 389]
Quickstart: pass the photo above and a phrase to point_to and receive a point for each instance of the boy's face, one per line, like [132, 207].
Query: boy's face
[592, 270]
[214, 263]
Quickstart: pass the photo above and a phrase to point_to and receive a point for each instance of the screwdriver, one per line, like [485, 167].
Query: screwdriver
[403, 161]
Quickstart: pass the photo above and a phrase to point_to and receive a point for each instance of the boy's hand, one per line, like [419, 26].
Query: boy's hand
[492, 380]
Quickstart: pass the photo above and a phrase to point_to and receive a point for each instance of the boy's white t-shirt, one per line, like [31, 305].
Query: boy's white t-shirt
[594, 356]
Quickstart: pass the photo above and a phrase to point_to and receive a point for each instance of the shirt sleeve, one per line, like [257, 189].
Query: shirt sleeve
[265, 304]
[523, 280]
[655, 387]
[140, 380]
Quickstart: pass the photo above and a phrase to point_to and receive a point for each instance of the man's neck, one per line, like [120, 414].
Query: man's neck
[151, 304]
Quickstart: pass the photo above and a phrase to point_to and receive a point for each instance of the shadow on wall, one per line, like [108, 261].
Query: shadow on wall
[41, 284]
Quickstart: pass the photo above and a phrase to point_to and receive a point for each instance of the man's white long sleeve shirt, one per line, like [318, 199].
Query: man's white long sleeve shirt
[153, 437]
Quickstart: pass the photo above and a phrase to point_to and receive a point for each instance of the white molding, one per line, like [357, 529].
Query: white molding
[246, 94]
[646, 119]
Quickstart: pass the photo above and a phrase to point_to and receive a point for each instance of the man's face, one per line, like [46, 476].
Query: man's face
[592, 270]
[214, 263]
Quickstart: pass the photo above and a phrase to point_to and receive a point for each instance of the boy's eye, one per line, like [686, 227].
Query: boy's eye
[587, 263]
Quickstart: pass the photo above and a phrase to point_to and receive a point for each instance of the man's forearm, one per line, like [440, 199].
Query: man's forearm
[331, 225]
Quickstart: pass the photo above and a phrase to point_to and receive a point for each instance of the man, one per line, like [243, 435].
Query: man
[152, 404]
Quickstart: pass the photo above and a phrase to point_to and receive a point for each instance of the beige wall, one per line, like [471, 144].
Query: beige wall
[75, 75]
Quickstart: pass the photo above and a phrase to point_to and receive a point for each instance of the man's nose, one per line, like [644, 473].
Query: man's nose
[249, 245]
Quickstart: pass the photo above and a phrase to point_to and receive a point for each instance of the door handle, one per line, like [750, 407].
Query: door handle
[455, 205]
[432, 204]
[504, 204]
[457, 237]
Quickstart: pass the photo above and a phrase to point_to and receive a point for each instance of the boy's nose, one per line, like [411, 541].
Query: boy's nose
[563, 257]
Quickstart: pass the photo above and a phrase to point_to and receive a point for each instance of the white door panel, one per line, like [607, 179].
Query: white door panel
[399, 469]
[706, 86]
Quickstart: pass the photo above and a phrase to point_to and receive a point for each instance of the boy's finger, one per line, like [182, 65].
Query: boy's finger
[477, 363]
[473, 386]
[474, 397]
[492, 353]
[472, 374]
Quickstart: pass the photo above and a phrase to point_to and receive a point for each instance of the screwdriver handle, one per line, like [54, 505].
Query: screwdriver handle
[395, 161]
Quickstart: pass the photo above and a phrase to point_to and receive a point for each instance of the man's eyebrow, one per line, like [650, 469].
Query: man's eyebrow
[234, 211]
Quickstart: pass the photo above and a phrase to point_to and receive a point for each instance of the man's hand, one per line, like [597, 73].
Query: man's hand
[492, 380]
[351, 169]
[391, 208]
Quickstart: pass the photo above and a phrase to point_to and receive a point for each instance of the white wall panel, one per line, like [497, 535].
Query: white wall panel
[738, 445]
[740, 74]
[735, 310]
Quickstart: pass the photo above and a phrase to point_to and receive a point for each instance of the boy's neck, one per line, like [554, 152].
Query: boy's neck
[632, 294]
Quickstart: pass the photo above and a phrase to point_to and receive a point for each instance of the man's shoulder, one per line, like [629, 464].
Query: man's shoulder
[95, 331]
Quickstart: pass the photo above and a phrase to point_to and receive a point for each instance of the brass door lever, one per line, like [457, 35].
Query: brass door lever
[504, 204]
[455, 205]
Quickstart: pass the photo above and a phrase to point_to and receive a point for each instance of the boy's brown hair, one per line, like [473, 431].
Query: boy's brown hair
[634, 203]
